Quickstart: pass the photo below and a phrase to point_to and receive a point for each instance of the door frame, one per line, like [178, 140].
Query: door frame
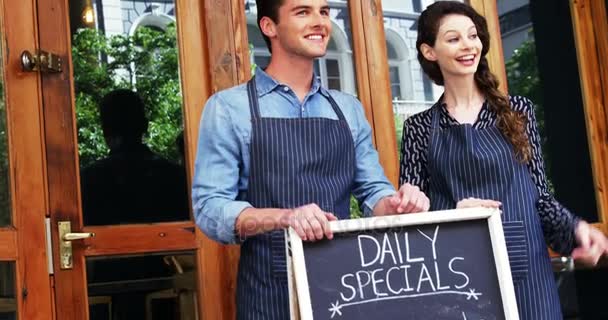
[214, 58]
[64, 204]
[25, 242]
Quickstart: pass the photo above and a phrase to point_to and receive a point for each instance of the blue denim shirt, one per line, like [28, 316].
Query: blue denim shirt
[222, 166]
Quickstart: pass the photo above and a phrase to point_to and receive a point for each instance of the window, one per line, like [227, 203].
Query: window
[395, 82]
[417, 5]
[569, 93]
[259, 50]
[399, 66]
[428, 87]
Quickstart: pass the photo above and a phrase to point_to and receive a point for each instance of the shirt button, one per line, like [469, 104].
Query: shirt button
[285, 88]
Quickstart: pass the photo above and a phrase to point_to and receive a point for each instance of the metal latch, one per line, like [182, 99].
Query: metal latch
[66, 236]
[41, 61]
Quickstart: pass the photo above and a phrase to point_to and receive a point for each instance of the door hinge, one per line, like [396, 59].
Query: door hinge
[41, 61]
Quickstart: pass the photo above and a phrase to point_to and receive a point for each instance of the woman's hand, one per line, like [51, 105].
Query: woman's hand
[592, 244]
[475, 202]
[408, 199]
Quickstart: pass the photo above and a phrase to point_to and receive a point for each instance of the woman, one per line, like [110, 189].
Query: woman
[478, 147]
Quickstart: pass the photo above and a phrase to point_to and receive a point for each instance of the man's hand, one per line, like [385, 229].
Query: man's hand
[475, 202]
[408, 199]
[592, 244]
[309, 221]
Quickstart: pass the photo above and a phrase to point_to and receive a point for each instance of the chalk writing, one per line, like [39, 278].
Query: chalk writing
[390, 270]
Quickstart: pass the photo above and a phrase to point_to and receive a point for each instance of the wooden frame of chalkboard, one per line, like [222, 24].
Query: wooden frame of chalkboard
[487, 220]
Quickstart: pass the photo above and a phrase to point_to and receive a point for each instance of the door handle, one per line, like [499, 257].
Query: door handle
[41, 61]
[66, 236]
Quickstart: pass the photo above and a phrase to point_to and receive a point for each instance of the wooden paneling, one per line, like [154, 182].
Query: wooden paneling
[132, 239]
[8, 244]
[600, 26]
[360, 61]
[62, 156]
[594, 96]
[63, 170]
[373, 80]
[228, 65]
[26, 163]
[495, 56]
[196, 84]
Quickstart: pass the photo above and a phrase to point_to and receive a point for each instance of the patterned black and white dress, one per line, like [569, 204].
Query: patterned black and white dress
[451, 161]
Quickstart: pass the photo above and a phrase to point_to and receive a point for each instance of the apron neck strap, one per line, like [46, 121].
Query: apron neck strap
[254, 106]
[252, 93]
[334, 105]
[436, 116]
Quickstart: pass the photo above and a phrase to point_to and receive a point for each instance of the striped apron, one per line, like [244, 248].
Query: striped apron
[294, 162]
[467, 162]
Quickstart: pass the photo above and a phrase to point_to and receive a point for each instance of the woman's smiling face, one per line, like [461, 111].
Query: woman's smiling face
[457, 47]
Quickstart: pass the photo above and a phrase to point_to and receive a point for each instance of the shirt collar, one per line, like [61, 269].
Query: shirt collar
[446, 118]
[266, 84]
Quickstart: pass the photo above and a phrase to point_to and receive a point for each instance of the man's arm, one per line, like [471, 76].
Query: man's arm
[309, 221]
[371, 186]
[215, 188]
[216, 176]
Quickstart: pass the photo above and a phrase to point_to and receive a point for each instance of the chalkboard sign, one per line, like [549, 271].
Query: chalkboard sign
[438, 265]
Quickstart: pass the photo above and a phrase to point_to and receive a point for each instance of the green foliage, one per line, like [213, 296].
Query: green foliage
[399, 129]
[146, 62]
[253, 64]
[523, 79]
[355, 211]
[5, 200]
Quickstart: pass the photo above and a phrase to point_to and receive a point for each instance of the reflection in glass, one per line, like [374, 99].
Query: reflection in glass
[153, 287]
[5, 203]
[531, 34]
[411, 90]
[336, 69]
[8, 301]
[131, 150]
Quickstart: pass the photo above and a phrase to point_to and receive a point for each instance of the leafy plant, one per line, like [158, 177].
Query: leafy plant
[146, 62]
[523, 79]
[5, 202]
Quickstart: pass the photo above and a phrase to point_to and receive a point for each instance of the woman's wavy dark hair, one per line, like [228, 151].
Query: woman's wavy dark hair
[512, 124]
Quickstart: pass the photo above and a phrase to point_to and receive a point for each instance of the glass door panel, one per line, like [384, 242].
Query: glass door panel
[117, 156]
[129, 112]
[412, 91]
[5, 203]
[160, 286]
[530, 37]
[8, 300]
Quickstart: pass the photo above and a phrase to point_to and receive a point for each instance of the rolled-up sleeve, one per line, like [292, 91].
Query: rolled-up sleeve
[370, 183]
[216, 176]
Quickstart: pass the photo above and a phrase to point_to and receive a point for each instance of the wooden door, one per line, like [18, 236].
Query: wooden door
[25, 291]
[120, 127]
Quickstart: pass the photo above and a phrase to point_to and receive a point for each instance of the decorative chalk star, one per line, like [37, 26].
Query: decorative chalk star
[335, 308]
[473, 294]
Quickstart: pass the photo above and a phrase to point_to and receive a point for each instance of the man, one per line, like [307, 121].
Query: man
[283, 152]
